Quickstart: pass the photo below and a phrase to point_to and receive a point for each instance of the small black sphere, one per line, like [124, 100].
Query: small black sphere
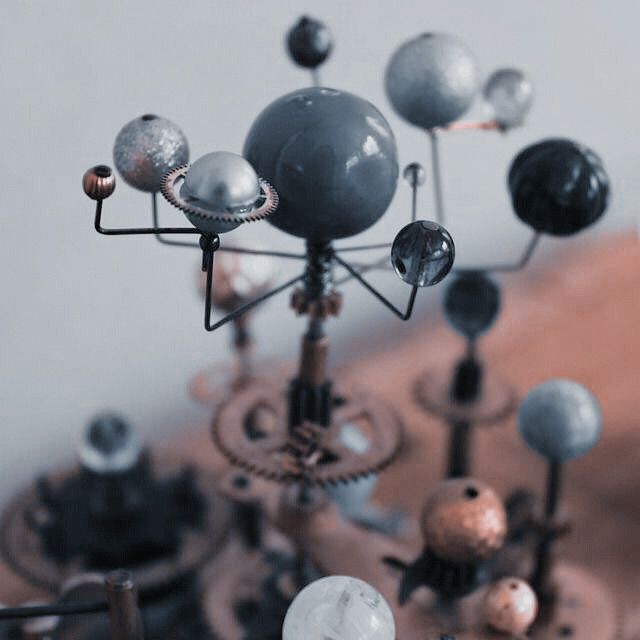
[471, 303]
[558, 187]
[309, 42]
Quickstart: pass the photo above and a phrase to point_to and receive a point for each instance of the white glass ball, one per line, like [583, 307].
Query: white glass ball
[339, 608]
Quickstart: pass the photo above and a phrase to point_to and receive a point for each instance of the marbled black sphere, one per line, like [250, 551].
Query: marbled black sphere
[471, 303]
[331, 157]
[558, 187]
[309, 42]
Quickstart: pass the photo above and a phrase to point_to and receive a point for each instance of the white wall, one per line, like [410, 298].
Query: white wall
[88, 322]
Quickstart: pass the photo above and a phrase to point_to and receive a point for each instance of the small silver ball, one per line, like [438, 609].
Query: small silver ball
[146, 148]
[110, 445]
[422, 253]
[414, 174]
[431, 80]
[560, 420]
[510, 94]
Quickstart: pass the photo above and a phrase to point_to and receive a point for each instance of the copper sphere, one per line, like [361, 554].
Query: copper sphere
[510, 606]
[99, 182]
[463, 521]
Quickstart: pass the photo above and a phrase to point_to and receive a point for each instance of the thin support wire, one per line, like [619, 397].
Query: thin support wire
[315, 77]
[63, 609]
[436, 176]
[364, 247]
[414, 201]
[508, 268]
[403, 315]
[156, 225]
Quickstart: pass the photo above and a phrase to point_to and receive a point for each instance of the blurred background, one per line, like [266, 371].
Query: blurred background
[89, 323]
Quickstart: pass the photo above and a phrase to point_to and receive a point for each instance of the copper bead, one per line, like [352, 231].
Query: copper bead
[510, 606]
[463, 521]
[99, 182]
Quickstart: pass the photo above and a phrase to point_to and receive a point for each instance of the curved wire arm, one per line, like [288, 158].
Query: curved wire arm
[508, 268]
[207, 265]
[403, 315]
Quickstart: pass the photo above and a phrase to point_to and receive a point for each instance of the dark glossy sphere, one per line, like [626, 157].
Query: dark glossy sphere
[558, 187]
[331, 157]
[309, 42]
[471, 303]
[422, 253]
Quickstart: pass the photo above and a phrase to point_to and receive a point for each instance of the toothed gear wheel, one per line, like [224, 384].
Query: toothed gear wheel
[266, 204]
[251, 431]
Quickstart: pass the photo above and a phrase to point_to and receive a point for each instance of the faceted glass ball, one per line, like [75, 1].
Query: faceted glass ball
[471, 303]
[339, 608]
[509, 93]
[510, 606]
[110, 445]
[309, 42]
[560, 420]
[558, 187]
[331, 157]
[463, 521]
[422, 253]
[431, 80]
[146, 149]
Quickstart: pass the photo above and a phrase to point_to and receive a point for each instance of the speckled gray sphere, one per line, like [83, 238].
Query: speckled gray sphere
[331, 157]
[422, 253]
[510, 94]
[432, 80]
[560, 420]
[146, 148]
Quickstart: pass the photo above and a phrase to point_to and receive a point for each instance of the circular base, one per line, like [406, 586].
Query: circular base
[251, 430]
[21, 548]
[432, 392]
[213, 386]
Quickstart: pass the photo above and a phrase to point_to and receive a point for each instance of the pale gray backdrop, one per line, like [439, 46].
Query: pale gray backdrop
[88, 322]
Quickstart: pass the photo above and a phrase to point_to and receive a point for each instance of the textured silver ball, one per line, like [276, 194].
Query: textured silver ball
[422, 253]
[146, 148]
[220, 182]
[560, 420]
[110, 445]
[414, 174]
[432, 80]
[510, 94]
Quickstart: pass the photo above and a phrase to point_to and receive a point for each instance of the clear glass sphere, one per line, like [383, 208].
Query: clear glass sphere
[339, 608]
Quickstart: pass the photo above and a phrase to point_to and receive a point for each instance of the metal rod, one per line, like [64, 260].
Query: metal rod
[315, 77]
[365, 247]
[42, 611]
[459, 445]
[412, 296]
[156, 225]
[414, 201]
[260, 252]
[436, 176]
[477, 125]
[207, 265]
[137, 231]
[124, 614]
[516, 266]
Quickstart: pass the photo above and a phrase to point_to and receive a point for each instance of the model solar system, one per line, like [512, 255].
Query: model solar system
[284, 539]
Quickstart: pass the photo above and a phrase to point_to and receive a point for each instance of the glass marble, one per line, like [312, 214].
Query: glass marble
[560, 420]
[558, 187]
[431, 80]
[471, 303]
[422, 253]
[509, 93]
[332, 158]
[309, 42]
[146, 149]
[339, 608]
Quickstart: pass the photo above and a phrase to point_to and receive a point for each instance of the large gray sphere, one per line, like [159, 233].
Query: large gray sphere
[560, 420]
[146, 148]
[510, 94]
[331, 157]
[431, 80]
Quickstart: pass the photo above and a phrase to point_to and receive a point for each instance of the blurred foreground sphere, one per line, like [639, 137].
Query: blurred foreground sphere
[560, 420]
[422, 253]
[510, 94]
[309, 42]
[146, 148]
[339, 608]
[510, 606]
[431, 80]
[332, 158]
[558, 187]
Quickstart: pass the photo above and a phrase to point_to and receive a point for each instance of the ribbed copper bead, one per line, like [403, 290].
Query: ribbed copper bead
[510, 606]
[463, 521]
[99, 182]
